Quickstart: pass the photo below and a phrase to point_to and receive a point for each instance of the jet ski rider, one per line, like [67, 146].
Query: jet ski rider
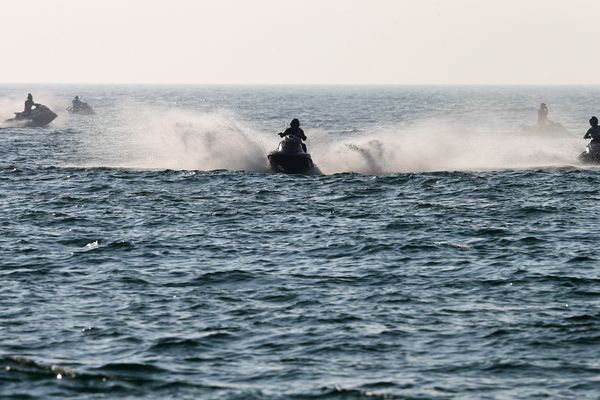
[593, 132]
[76, 104]
[295, 130]
[543, 115]
[29, 104]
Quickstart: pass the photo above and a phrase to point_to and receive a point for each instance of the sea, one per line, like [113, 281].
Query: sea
[447, 250]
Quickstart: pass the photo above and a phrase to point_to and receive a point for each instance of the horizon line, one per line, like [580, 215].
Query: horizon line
[294, 84]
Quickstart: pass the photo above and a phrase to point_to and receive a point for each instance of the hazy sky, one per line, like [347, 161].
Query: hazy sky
[303, 41]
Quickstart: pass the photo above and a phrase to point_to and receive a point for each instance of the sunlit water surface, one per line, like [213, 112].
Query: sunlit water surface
[147, 252]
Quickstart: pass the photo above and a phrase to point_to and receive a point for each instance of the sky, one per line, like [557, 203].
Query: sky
[300, 42]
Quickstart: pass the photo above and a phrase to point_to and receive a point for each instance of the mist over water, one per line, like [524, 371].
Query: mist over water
[181, 140]
[367, 130]
[442, 148]
[188, 140]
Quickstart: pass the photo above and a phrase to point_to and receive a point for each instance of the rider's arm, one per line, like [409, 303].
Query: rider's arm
[302, 135]
[588, 134]
[285, 133]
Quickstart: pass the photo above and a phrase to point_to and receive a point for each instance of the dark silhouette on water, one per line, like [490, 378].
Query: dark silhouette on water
[591, 155]
[295, 130]
[594, 132]
[32, 117]
[76, 104]
[544, 125]
[29, 103]
[543, 115]
[79, 107]
[291, 156]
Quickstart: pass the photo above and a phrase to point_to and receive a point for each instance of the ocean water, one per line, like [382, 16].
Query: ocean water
[446, 252]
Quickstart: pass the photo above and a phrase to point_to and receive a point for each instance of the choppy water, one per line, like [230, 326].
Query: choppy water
[146, 252]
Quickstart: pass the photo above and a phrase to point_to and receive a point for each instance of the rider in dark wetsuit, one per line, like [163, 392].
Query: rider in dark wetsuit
[28, 104]
[594, 132]
[543, 115]
[295, 130]
[76, 104]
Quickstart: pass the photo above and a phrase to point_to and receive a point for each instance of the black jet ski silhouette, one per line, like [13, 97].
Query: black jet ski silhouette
[591, 154]
[290, 157]
[82, 108]
[38, 117]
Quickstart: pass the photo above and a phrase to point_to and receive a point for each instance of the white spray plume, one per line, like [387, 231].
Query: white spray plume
[151, 138]
[154, 138]
[430, 147]
[8, 106]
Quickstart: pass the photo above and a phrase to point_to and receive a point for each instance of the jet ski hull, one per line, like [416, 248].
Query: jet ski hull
[83, 109]
[550, 128]
[38, 117]
[298, 163]
[291, 157]
[588, 158]
[591, 155]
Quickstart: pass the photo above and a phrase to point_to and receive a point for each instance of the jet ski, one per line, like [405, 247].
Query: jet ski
[38, 117]
[290, 157]
[591, 155]
[550, 128]
[82, 108]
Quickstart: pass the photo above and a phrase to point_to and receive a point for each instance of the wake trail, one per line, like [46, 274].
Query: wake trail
[442, 148]
[190, 140]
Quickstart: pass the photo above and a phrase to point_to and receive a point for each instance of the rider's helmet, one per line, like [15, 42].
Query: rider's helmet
[594, 121]
[295, 123]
